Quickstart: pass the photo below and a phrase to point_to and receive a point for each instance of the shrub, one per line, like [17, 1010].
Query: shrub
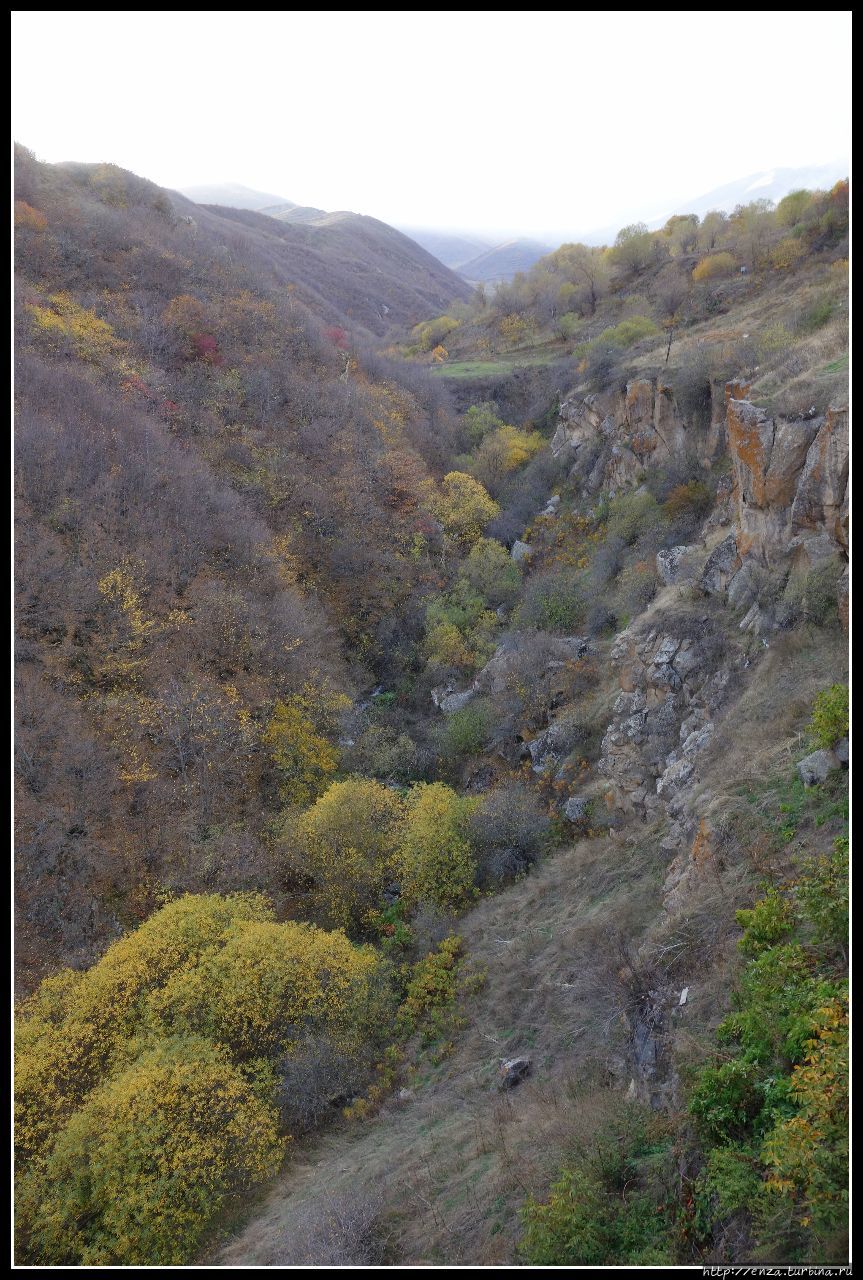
[142, 1168]
[491, 571]
[628, 332]
[631, 514]
[347, 843]
[466, 731]
[829, 720]
[725, 1101]
[553, 601]
[823, 895]
[508, 830]
[714, 267]
[693, 499]
[435, 857]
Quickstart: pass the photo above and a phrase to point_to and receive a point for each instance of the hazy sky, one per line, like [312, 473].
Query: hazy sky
[530, 120]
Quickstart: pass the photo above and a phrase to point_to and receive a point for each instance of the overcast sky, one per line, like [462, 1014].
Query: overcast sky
[488, 121]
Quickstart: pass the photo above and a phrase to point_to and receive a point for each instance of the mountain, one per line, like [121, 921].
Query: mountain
[769, 184]
[234, 195]
[364, 269]
[503, 261]
[450, 248]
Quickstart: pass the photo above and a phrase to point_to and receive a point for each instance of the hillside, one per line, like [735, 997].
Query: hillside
[432, 762]
[450, 248]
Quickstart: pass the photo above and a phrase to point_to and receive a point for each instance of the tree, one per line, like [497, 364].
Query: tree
[140, 1170]
[304, 756]
[347, 844]
[463, 507]
[435, 858]
[633, 248]
[490, 570]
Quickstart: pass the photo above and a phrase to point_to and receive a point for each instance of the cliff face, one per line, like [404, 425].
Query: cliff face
[788, 502]
[781, 512]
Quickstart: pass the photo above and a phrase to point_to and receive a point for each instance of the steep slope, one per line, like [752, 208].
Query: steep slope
[366, 270]
[608, 968]
[196, 446]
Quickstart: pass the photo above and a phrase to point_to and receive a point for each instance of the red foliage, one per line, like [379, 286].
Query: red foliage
[206, 348]
[337, 336]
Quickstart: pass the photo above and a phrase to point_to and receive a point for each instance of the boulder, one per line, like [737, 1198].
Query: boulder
[455, 701]
[521, 551]
[674, 565]
[575, 809]
[815, 768]
[513, 1071]
[841, 750]
[722, 564]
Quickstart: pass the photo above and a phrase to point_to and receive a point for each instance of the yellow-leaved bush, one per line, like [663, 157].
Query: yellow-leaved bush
[436, 861]
[138, 1171]
[347, 843]
[206, 997]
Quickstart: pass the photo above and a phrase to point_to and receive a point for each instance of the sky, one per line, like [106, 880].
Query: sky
[532, 121]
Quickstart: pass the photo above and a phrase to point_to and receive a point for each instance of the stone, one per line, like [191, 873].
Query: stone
[675, 776]
[513, 1071]
[521, 551]
[697, 741]
[575, 809]
[666, 650]
[722, 564]
[674, 565]
[841, 750]
[815, 768]
[455, 701]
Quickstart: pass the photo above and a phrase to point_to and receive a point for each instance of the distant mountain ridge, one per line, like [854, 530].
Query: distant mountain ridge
[233, 195]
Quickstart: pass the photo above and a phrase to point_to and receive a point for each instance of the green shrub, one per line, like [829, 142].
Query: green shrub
[553, 601]
[631, 514]
[823, 895]
[466, 732]
[829, 720]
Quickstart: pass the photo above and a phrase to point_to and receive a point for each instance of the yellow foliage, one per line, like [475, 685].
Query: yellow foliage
[266, 986]
[463, 507]
[72, 1029]
[347, 843]
[788, 253]
[139, 1171]
[91, 338]
[304, 757]
[435, 857]
[713, 267]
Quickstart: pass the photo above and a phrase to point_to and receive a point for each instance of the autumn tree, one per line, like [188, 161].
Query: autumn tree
[435, 858]
[140, 1170]
[346, 843]
[463, 507]
[299, 739]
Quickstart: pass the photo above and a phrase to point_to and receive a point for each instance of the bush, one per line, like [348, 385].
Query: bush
[714, 267]
[692, 499]
[466, 732]
[829, 720]
[553, 601]
[142, 1168]
[507, 831]
[435, 858]
[347, 844]
[609, 1208]
[628, 332]
[491, 572]
[632, 514]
